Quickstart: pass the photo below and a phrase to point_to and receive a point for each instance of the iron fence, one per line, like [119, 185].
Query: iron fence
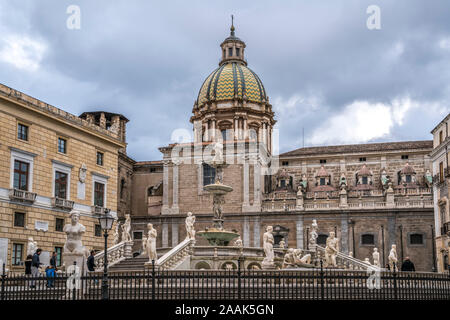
[153, 284]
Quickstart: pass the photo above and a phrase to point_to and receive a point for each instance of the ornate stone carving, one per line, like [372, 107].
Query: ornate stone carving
[190, 231]
[82, 173]
[392, 258]
[126, 229]
[74, 232]
[31, 246]
[313, 234]
[238, 242]
[151, 243]
[282, 244]
[331, 250]
[268, 248]
[428, 179]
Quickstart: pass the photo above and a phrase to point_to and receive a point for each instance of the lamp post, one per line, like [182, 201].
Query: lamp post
[106, 222]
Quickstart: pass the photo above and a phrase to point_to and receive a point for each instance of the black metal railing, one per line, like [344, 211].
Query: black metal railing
[153, 284]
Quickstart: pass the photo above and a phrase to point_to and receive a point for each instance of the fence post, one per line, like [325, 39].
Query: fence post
[3, 282]
[74, 290]
[395, 280]
[239, 278]
[322, 288]
[153, 279]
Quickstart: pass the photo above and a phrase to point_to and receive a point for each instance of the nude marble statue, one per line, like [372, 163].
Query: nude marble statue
[74, 232]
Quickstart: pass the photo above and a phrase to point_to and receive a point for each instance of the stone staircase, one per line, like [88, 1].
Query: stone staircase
[136, 263]
[347, 262]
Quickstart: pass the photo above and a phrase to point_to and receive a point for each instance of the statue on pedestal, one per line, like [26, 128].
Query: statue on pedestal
[289, 259]
[367, 260]
[31, 246]
[116, 233]
[376, 257]
[313, 234]
[190, 231]
[282, 244]
[331, 250]
[300, 260]
[151, 243]
[268, 248]
[393, 260]
[74, 232]
[238, 242]
[126, 229]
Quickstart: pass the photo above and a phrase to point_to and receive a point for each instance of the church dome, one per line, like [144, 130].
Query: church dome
[232, 80]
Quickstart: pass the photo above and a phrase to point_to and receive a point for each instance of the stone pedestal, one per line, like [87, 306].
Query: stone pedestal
[80, 259]
[127, 253]
[268, 266]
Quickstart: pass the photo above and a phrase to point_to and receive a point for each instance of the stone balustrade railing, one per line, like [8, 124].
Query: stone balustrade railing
[116, 253]
[347, 262]
[22, 195]
[176, 255]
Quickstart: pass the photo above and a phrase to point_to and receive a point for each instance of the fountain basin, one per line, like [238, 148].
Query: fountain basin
[218, 237]
[217, 188]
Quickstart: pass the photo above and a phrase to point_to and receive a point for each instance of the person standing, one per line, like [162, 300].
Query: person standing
[91, 262]
[28, 264]
[408, 265]
[53, 261]
[35, 264]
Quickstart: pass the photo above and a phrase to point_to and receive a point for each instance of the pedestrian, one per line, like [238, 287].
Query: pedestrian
[408, 265]
[50, 273]
[35, 264]
[53, 261]
[91, 262]
[28, 264]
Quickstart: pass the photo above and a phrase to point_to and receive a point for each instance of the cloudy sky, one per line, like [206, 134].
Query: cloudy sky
[323, 69]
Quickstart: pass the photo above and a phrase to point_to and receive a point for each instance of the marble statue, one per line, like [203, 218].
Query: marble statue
[304, 183]
[313, 234]
[32, 246]
[393, 258]
[343, 181]
[331, 250]
[288, 260]
[376, 257]
[218, 201]
[238, 242]
[190, 231]
[116, 233]
[74, 232]
[282, 244]
[300, 260]
[82, 173]
[428, 179]
[350, 254]
[144, 243]
[367, 260]
[218, 152]
[268, 247]
[126, 229]
[151, 243]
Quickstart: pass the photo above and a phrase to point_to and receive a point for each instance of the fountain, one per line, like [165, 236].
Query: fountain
[217, 235]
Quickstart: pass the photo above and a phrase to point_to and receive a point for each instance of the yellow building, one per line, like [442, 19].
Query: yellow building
[53, 162]
[441, 178]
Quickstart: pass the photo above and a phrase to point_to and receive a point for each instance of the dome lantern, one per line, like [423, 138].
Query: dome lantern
[232, 48]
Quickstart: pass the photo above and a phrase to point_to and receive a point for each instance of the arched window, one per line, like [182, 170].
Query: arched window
[367, 239]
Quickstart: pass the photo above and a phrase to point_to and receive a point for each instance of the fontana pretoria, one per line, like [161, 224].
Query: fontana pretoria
[371, 196]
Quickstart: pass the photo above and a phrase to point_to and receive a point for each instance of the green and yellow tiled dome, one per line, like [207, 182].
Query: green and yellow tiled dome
[232, 80]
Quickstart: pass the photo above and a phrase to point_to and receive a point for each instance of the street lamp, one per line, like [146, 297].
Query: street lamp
[106, 222]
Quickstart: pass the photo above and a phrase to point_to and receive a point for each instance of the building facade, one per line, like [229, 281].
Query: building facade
[441, 174]
[52, 162]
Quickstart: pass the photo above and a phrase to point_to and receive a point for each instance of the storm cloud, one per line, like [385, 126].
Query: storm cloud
[323, 69]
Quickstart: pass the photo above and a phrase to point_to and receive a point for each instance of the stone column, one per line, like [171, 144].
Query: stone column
[206, 131]
[344, 233]
[213, 133]
[245, 130]
[175, 207]
[165, 234]
[257, 185]
[246, 183]
[165, 201]
[264, 133]
[175, 240]
[392, 234]
[299, 232]
[200, 178]
[246, 233]
[236, 128]
[256, 234]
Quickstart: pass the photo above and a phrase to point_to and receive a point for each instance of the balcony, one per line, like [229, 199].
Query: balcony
[62, 203]
[22, 195]
[97, 210]
[445, 229]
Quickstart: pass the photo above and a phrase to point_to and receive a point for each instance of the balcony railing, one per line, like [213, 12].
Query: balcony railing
[22, 195]
[62, 203]
[96, 210]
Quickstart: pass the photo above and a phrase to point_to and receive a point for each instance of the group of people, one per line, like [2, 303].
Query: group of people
[33, 263]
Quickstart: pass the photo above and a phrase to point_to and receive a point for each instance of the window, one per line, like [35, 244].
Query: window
[238, 51]
[416, 238]
[224, 135]
[99, 158]
[405, 157]
[137, 235]
[408, 178]
[152, 169]
[21, 170]
[440, 137]
[22, 132]
[441, 172]
[230, 52]
[19, 219]
[368, 239]
[17, 254]
[58, 251]
[282, 183]
[323, 161]
[122, 188]
[322, 181]
[322, 239]
[98, 230]
[285, 163]
[62, 145]
[61, 185]
[59, 224]
[99, 194]
[363, 159]
[364, 180]
[209, 174]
